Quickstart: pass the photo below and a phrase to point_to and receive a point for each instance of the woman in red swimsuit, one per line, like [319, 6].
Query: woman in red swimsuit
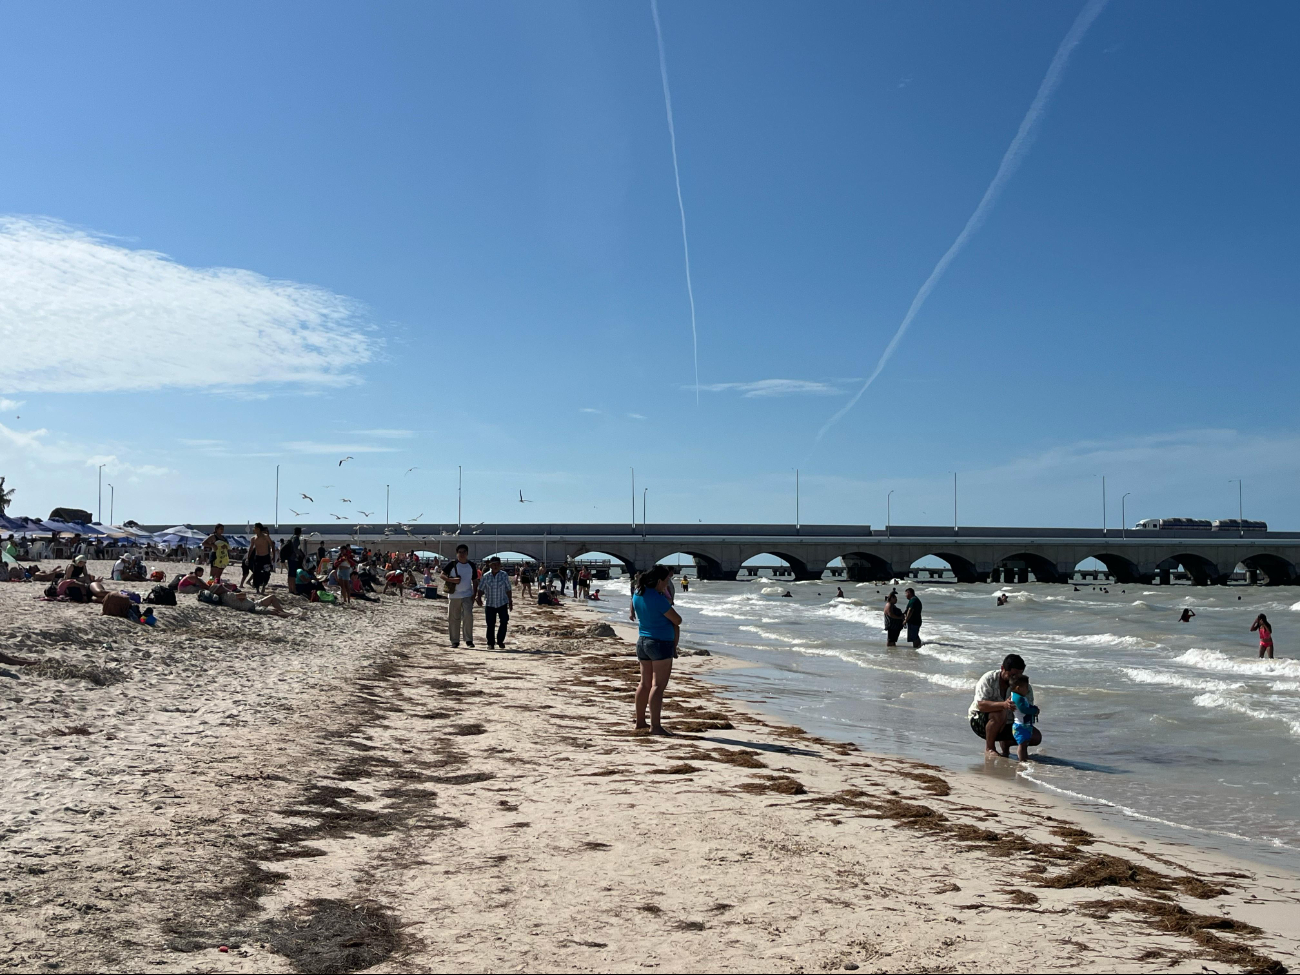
[1265, 635]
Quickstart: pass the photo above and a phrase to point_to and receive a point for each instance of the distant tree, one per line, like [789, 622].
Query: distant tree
[6, 497]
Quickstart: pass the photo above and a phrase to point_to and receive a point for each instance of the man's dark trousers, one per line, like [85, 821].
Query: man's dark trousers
[497, 617]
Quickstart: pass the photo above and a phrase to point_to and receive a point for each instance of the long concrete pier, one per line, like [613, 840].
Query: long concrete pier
[976, 554]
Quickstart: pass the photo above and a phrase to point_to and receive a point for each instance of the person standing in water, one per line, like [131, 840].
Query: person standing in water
[912, 617]
[659, 632]
[893, 620]
[1186, 617]
[1265, 630]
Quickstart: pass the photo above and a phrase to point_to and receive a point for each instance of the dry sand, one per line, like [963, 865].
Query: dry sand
[347, 793]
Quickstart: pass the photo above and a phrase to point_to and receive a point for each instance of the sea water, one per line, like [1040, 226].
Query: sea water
[1176, 730]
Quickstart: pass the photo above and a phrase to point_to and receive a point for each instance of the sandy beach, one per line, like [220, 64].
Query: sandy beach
[345, 792]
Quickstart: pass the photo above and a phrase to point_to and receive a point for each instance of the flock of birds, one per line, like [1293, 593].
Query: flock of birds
[366, 514]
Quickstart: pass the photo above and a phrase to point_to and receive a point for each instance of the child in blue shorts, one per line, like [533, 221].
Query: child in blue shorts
[1022, 696]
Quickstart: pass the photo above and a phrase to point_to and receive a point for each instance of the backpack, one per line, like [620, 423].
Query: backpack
[52, 591]
[209, 597]
[161, 596]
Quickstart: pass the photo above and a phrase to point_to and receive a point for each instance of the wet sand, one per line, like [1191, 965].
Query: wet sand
[348, 793]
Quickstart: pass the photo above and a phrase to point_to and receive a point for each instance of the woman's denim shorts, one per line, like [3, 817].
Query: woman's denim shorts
[648, 648]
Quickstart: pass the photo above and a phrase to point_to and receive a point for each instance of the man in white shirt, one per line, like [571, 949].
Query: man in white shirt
[991, 712]
[463, 575]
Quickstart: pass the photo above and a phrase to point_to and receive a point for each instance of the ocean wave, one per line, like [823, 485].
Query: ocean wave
[1285, 685]
[770, 635]
[774, 590]
[1026, 772]
[957, 683]
[1143, 676]
[1247, 666]
[952, 658]
[1216, 700]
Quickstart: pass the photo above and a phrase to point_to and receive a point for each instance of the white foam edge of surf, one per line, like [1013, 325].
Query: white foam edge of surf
[1219, 662]
[1214, 699]
[1134, 814]
[1141, 675]
[965, 684]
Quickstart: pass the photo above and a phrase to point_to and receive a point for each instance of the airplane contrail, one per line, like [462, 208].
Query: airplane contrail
[1010, 162]
[677, 177]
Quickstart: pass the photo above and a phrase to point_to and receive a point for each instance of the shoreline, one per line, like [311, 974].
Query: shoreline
[1064, 803]
[348, 791]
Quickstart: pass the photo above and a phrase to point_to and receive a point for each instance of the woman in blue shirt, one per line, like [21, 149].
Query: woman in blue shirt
[660, 629]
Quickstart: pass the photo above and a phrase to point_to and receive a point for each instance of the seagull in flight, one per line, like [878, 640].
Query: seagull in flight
[522, 499]
[337, 517]
[409, 469]
[418, 517]
[308, 497]
[346, 500]
[299, 514]
[345, 460]
[364, 514]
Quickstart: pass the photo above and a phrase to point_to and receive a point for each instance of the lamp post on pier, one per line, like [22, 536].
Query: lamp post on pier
[889, 521]
[1123, 515]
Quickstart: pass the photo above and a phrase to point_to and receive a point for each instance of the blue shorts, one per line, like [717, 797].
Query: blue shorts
[1022, 733]
[648, 648]
[344, 573]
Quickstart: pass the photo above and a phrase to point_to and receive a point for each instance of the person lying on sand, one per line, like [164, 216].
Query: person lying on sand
[243, 601]
[53, 575]
[992, 711]
[79, 585]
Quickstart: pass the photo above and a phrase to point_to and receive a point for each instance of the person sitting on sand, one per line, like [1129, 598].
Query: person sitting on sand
[992, 709]
[306, 580]
[659, 631]
[1186, 617]
[595, 595]
[1265, 630]
[192, 582]
[1022, 696]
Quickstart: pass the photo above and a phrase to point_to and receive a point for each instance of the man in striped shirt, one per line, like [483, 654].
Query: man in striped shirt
[497, 600]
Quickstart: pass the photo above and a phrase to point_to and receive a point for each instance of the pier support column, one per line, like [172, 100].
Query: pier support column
[1164, 577]
[995, 574]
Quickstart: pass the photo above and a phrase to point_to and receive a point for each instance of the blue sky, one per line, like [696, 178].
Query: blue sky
[428, 235]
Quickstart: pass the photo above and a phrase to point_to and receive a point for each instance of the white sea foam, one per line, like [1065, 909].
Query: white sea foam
[1143, 676]
[773, 591]
[1026, 773]
[1285, 685]
[1217, 661]
[772, 635]
[1216, 700]
[958, 683]
[952, 658]
[1295, 607]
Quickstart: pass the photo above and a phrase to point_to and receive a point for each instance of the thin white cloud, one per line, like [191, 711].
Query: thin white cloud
[588, 409]
[635, 416]
[776, 387]
[10, 404]
[81, 313]
[386, 434]
[342, 450]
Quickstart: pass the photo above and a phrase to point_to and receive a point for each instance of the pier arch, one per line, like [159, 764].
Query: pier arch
[964, 569]
[865, 567]
[706, 566]
[1275, 570]
[802, 570]
[1120, 568]
[625, 564]
[1203, 572]
[1017, 567]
